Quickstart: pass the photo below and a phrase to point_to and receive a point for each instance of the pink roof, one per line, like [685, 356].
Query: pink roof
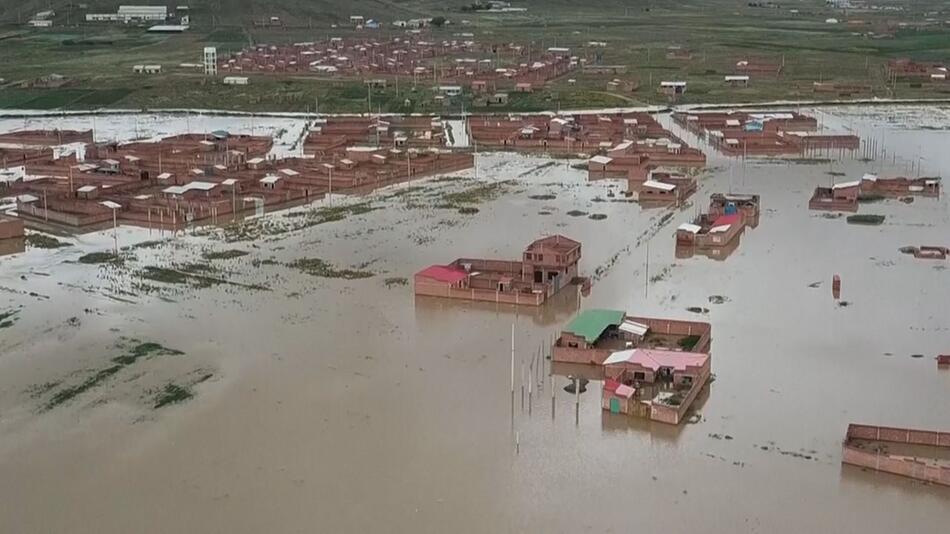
[655, 359]
[443, 273]
[624, 390]
[727, 220]
[618, 389]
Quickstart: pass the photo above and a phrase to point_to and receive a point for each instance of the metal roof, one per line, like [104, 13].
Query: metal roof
[691, 228]
[590, 324]
[845, 185]
[655, 359]
[634, 327]
[659, 185]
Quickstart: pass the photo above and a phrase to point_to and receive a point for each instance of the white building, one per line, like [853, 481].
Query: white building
[450, 90]
[147, 69]
[235, 80]
[129, 14]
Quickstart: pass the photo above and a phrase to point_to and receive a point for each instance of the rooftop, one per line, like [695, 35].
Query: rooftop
[655, 359]
[590, 324]
[443, 273]
[557, 242]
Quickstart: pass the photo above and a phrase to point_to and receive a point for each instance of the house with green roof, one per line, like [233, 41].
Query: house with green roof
[596, 333]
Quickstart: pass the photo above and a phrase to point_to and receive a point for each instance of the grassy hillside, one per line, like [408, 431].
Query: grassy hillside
[98, 57]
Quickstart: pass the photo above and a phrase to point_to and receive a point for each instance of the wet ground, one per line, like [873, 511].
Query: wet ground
[300, 387]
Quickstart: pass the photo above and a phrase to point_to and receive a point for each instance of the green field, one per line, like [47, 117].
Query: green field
[98, 58]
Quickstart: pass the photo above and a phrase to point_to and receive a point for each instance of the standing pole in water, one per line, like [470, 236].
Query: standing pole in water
[540, 369]
[522, 385]
[553, 389]
[512, 370]
[530, 380]
[577, 401]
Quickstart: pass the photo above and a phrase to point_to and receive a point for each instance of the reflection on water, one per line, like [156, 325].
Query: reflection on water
[713, 253]
[13, 245]
[556, 310]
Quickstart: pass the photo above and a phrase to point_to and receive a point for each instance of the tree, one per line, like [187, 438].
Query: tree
[438, 21]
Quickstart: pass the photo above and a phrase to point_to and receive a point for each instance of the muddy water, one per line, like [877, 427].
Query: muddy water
[348, 405]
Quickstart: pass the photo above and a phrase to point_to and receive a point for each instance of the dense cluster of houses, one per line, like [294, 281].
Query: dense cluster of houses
[194, 177]
[486, 70]
[772, 133]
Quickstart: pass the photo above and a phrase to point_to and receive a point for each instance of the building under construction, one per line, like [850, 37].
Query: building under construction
[774, 133]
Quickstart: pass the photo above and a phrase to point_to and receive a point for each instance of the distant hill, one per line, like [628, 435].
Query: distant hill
[243, 12]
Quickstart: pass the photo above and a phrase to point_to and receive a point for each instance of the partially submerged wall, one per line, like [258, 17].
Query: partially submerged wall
[907, 466]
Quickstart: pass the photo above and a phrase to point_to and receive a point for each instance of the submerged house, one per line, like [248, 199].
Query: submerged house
[664, 187]
[594, 334]
[748, 206]
[839, 197]
[721, 227]
[706, 231]
[659, 384]
[871, 184]
[547, 266]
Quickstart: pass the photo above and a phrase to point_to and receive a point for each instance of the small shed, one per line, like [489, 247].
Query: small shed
[87, 192]
[271, 182]
[235, 80]
[737, 80]
[498, 99]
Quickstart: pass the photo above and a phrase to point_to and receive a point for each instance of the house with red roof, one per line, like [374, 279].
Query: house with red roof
[547, 266]
[720, 228]
[705, 231]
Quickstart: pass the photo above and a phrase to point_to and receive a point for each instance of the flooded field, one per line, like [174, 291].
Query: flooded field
[279, 375]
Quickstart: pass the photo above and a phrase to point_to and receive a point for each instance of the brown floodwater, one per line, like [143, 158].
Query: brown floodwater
[350, 406]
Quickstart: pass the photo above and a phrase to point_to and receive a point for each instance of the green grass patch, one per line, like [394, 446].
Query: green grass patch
[688, 342]
[224, 254]
[474, 195]
[871, 220]
[101, 98]
[172, 394]
[324, 269]
[135, 350]
[95, 258]
[145, 350]
[44, 241]
[396, 281]
[7, 318]
[55, 98]
[67, 394]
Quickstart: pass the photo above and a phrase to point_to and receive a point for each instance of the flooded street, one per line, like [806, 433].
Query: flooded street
[256, 395]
